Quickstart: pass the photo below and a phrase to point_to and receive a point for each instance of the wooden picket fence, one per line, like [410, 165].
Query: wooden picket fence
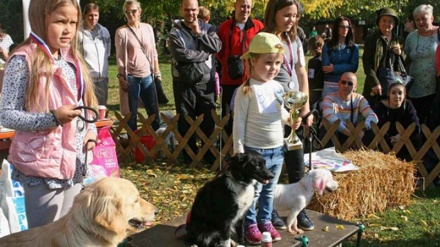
[161, 149]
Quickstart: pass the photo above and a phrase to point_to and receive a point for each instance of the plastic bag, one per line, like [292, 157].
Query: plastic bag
[12, 200]
[104, 154]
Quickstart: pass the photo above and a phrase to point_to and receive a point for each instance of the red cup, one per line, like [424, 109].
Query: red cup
[102, 110]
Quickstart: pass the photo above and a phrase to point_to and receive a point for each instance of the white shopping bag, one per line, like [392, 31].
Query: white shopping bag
[12, 200]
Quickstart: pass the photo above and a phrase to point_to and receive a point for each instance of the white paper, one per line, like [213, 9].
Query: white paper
[331, 160]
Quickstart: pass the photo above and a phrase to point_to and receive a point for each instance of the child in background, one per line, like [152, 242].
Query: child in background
[45, 81]
[315, 73]
[259, 117]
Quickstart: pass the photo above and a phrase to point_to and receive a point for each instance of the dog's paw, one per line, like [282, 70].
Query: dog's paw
[295, 231]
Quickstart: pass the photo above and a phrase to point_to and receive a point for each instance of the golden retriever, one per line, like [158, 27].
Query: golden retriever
[101, 215]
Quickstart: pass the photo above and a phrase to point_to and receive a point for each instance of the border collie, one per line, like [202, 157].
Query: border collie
[220, 205]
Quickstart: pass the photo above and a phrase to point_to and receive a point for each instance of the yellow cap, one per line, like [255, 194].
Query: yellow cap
[264, 43]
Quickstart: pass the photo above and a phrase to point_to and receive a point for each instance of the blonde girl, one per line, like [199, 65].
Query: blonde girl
[45, 81]
[259, 117]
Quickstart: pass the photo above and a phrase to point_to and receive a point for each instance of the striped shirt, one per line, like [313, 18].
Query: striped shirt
[334, 108]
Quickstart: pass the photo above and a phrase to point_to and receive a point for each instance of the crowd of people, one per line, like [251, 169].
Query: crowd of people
[255, 62]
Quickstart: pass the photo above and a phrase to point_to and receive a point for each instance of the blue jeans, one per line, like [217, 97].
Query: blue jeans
[142, 89]
[274, 158]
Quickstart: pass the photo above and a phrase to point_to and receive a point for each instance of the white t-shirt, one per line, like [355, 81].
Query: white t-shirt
[259, 116]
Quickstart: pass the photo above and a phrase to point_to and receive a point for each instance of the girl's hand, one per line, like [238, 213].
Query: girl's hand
[66, 113]
[90, 141]
[308, 121]
[296, 124]
[327, 69]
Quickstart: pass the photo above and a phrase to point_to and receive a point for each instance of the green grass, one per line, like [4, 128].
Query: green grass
[172, 188]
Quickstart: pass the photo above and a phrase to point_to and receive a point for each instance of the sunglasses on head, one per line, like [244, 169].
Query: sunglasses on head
[350, 83]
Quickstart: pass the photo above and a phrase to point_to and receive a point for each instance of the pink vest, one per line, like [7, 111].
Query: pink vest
[47, 153]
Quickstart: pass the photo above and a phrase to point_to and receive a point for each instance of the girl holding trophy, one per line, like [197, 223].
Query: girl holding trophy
[259, 117]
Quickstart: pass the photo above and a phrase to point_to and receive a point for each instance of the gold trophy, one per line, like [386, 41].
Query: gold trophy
[294, 101]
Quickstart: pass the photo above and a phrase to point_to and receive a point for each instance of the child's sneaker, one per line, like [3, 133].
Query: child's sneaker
[268, 227]
[252, 234]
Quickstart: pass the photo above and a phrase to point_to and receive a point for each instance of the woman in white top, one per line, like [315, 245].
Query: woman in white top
[281, 18]
[420, 47]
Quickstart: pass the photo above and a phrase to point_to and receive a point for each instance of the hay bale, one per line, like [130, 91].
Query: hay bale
[382, 182]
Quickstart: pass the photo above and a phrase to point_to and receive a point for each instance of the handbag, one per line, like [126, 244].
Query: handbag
[402, 76]
[160, 93]
[235, 67]
[388, 76]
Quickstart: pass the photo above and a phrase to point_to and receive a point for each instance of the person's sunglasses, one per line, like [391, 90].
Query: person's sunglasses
[349, 83]
[131, 11]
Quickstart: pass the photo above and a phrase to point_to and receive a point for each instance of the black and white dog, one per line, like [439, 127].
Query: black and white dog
[219, 207]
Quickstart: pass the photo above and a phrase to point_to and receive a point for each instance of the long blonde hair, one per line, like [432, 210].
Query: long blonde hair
[42, 64]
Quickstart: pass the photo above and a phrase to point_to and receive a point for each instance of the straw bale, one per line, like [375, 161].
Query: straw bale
[382, 182]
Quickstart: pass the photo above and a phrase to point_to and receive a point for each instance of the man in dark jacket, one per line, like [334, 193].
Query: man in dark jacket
[235, 34]
[193, 42]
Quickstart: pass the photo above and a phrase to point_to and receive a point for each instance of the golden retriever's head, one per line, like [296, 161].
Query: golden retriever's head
[113, 205]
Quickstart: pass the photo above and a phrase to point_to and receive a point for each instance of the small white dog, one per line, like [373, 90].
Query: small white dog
[295, 197]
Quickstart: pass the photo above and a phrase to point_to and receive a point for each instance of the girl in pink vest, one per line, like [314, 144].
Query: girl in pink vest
[44, 83]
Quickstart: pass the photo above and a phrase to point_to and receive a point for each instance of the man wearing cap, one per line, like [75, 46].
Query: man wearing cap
[193, 43]
[235, 34]
[384, 48]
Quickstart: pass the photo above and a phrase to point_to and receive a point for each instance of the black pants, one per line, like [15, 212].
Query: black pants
[423, 106]
[192, 102]
[294, 159]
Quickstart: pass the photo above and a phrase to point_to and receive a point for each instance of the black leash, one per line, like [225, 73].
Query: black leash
[95, 112]
[313, 134]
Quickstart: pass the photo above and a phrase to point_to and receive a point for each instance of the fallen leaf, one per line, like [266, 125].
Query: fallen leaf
[373, 225]
[405, 218]
[424, 223]
[325, 229]
[340, 227]
[373, 216]
[391, 228]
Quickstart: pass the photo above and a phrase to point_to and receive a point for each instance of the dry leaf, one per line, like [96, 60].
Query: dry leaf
[424, 223]
[391, 228]
[373, 225]
[340, 227]
[405, 218]
[325, 229]
[373, 216]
